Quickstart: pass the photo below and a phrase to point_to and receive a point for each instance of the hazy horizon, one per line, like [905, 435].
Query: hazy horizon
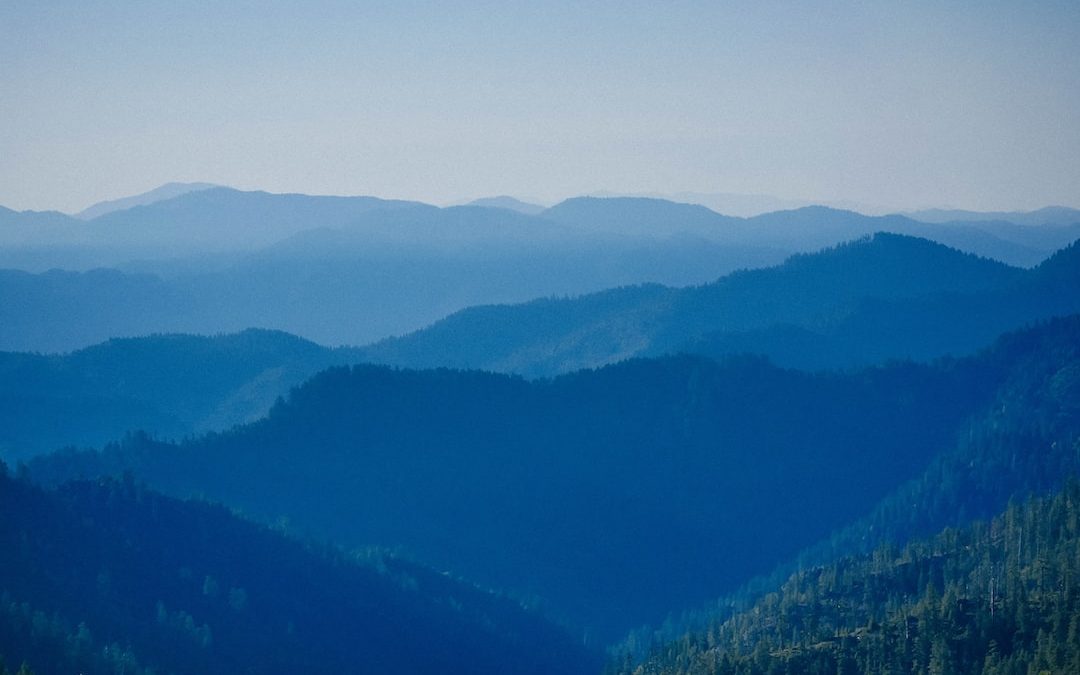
[746, 204]
[900, 107]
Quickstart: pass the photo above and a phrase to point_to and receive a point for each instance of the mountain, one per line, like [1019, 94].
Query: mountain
[507, 202]
[591, 491]
[353, 270]
[20, 228]
[1023, 444]
[187, 219]
[994, 597]
[915, 328]
[170, 385]
[223, 218]
[110, 577]
[639, 216]
[387, 272]
[58, 310]
[727, 203]
[1049, 215]
[166, 191]
[804, 229]
[559, 335]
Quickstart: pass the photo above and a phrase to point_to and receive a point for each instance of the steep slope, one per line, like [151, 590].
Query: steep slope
[996, 597]
[551, 336]
[1025, 443]
[110, 577]
[591, 490]
[170, 385]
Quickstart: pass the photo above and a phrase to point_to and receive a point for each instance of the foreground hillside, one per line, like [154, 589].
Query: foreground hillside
[616, 495]
[992, 598]
[112, 578]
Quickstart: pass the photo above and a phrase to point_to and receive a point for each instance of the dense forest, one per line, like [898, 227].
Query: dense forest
[592, 490]
[993, 598]
[109, 577]
[1025, 442]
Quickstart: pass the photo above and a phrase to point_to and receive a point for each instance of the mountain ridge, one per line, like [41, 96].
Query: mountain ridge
[160, 193]
[550, 336]
[581, 487]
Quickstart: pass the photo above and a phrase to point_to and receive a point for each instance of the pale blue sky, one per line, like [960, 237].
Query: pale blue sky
[898, 104]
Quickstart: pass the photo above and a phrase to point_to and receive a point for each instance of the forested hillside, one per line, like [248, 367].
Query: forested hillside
[171, 385]
[918, 328]
[811, 292]
[593, 490]
[109, 577]
[991, 598]
[1026, 442]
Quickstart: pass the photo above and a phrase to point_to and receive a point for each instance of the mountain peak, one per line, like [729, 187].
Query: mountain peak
[509, 203]
[166, 191]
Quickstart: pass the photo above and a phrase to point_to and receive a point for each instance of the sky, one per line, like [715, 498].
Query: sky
[899, 105]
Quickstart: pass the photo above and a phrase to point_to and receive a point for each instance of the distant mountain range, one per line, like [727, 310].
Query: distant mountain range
[886, 296]
[1049, 215]
[167, 191]
[179, 219]
[507, 202]
[221, 260]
